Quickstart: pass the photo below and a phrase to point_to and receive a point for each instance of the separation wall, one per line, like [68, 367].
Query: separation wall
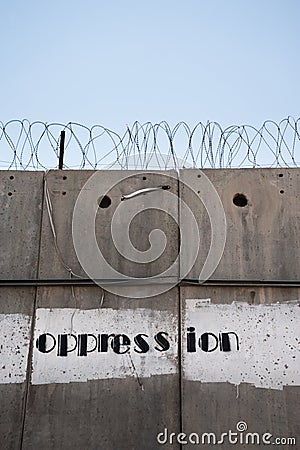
[84, 367]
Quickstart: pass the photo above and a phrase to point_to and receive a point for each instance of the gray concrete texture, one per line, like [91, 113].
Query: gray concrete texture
[21, 197]
[106, 413]
[262, 235]
[116, 413]
[218, 407]
[64, 188]
[13, 395]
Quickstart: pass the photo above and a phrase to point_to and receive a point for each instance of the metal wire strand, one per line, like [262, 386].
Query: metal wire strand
[35, 145]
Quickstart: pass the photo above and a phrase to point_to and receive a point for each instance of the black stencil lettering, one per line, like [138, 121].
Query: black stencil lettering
[119, 341]
[225, 341]
[82, 344]
[90, 350]
[62, 349]
[204, 342]
[162, 341]
[104, 339]
[142, 344]
[191, 340]
[41, 343]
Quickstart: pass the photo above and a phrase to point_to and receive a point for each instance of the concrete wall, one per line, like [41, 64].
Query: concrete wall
[262, 237]
[165, 365]
[219, 390]
[21, 212]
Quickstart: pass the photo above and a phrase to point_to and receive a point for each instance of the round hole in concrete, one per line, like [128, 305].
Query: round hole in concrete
[282, 191]
[104, 202]
[280, 175]
[10, 194]
[64, 193]
[240, 200]
[144, 178]
[199, 176]
[64, 177]
[11, 177]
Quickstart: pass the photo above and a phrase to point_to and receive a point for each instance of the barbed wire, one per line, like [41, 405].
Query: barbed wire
[35, 145]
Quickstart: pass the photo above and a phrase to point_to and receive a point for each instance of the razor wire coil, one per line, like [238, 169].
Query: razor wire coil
[35, 145]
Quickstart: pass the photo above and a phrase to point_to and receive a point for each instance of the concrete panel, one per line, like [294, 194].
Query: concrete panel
[108, 413]
[21, 211]
[124, 403]
[263, 235]
[64, 189]
[16, 307]
[21, 215]
[217, 407]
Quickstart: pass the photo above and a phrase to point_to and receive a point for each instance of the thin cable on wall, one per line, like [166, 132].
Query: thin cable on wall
[72, 274]
[37, 146]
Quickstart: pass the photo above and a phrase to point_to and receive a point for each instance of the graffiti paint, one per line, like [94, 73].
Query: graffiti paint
[261, 343]
[72, 345]
[14, 347]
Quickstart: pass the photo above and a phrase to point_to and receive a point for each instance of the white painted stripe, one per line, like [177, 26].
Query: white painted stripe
[268, 338]
[51, 367]
[268, 355]
[14, 347]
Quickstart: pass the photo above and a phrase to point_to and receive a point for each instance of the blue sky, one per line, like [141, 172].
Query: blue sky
[112, 63]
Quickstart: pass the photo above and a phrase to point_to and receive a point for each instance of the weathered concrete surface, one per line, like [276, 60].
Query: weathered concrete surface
[21, 196]
[13, 301]
[263, 236]
[123, 413]
[64, 189]
[218, 407]
[128, 413]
